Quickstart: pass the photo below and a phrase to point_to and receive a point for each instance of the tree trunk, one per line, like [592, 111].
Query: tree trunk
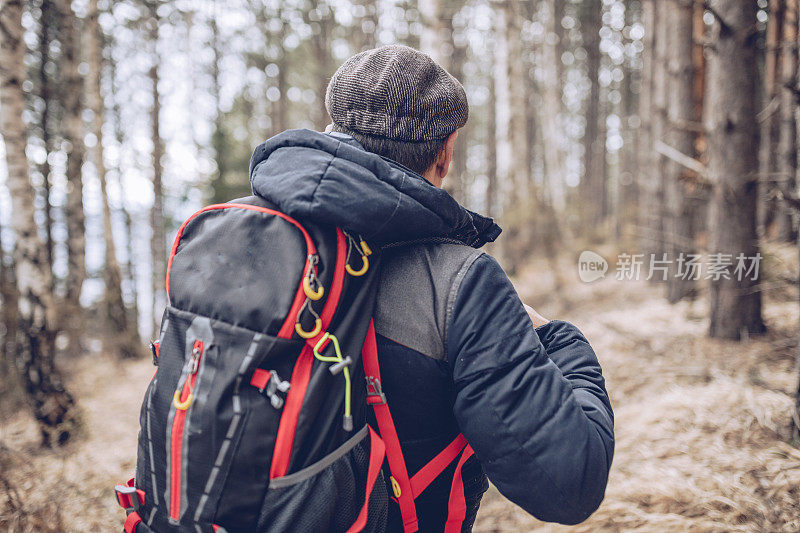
[770, 125]
[157, 241]
[592, 184]
[73, 132]
[456, 181]
[552, 133]
[679, 229]
[129, 269]
[787, 145]
[366, 33]
[52, 405]
[321, 44]
[46, 24]
[491, 149]
[119, 338]
[733, 164]
[627, 198]
[656, 186]
[647, 155]
[11, 392]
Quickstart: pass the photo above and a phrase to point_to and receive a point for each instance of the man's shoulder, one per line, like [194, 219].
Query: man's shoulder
[416, 292]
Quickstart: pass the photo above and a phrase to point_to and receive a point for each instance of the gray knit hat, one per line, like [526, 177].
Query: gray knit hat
[396, 92]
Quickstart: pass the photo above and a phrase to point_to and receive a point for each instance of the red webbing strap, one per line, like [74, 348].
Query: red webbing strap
[260, 378]
[301, 374]
[377, 451]
[429, 472]
[394, 454]
[284, 441]
[456, 506]
[131, 522]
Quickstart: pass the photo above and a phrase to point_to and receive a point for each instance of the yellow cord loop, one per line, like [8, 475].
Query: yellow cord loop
[340, 364]
[182, 405]
[311, 278]
[298, 327]
[309, 334]
[364, 250]
[311, 293]
[395, 487]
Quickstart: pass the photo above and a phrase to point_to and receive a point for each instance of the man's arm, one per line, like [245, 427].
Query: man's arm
[531, 403]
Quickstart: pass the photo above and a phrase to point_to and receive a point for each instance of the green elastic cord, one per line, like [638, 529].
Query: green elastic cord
[336, 359]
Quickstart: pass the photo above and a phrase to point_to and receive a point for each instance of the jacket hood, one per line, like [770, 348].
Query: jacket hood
[329, 178]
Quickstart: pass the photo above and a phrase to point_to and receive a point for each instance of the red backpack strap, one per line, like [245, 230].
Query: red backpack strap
[301, 374]
[457, 506]
[377, 451]
[437, 465]
[401, 484]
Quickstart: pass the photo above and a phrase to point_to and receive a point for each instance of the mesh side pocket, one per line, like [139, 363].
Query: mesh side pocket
[326, 496]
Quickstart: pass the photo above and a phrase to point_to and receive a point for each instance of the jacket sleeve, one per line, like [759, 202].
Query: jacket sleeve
[531, 403]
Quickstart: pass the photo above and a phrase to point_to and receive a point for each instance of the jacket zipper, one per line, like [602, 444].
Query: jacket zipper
[183, 399]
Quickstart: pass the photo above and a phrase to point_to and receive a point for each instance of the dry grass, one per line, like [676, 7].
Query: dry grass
[701, 426]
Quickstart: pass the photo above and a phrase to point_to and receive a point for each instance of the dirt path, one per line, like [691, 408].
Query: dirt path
[700, 428]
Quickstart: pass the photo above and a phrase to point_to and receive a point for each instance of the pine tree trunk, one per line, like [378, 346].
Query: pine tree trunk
[157, 241]
[129, 269]
[787, 144]
[365, 35]
[119, 338]
[647, 155]
[656, 193]
[733, 164]
[679, 230]
[456, 180]
[73, 132]
[552, 133]
[52, 405]
[770, 123]
[321, 42]
[9, 296]
[46, 24]
[592, 184]
[490, 207]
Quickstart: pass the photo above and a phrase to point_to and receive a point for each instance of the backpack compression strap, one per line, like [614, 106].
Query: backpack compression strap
[405, 489]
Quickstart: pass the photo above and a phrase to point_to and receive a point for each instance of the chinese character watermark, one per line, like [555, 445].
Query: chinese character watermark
[686, 266]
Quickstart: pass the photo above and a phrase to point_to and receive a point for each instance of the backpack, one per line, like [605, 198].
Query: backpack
[256, 417]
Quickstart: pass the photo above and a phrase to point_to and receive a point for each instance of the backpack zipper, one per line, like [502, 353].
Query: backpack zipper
[182, 400]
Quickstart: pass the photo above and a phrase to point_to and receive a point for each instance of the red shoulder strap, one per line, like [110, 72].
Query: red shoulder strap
[406, 490]
[394, 455]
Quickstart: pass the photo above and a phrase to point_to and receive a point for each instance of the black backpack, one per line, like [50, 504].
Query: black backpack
[256, 418]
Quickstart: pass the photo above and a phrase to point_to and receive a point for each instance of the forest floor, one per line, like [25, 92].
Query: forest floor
[702, 425]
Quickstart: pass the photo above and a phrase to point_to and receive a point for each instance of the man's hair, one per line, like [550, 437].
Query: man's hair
[419, 156]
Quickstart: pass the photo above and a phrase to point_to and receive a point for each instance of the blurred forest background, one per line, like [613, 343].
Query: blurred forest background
[664, 128]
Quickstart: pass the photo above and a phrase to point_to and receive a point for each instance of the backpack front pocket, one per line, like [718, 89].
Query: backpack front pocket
[344, 491]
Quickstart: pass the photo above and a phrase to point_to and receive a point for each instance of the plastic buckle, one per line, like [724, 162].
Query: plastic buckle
[273, 386]
[128, 497]
[375, 395]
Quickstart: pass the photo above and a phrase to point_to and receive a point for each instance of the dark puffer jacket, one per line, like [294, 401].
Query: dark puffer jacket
[456, 347]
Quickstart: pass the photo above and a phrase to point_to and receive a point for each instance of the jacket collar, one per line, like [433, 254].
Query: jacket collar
[329, 178]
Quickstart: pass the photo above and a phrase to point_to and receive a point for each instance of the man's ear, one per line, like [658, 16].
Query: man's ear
[446, 156]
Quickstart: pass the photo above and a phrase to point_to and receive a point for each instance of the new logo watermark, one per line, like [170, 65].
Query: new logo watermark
[714, 266]
[591, 266]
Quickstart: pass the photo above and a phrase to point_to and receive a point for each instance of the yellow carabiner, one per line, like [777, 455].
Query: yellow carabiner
[361, 271]
[395, 487]
[309, 334]
[311, 293]
[184, 405]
